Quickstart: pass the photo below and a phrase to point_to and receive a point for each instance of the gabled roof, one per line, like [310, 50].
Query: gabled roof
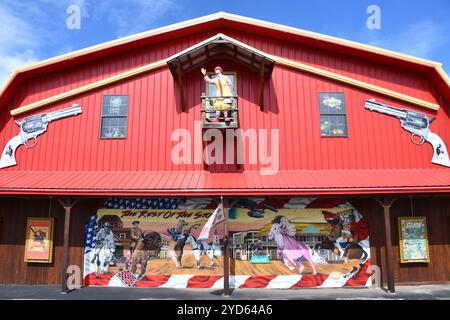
[220, 46]
[221, 19]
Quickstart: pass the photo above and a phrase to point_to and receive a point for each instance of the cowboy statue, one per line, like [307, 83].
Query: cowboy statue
[224, 92]
[104, 240]
[136, 235]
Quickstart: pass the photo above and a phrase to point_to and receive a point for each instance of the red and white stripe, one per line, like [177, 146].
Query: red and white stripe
[248, 281]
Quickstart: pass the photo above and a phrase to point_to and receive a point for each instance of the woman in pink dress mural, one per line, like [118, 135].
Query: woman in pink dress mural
[283, 233]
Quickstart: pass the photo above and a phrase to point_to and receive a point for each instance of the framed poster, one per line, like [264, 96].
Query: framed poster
[413, 240]
[39, 240]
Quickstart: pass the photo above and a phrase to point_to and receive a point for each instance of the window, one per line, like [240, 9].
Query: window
[114, 117]
[333, 121]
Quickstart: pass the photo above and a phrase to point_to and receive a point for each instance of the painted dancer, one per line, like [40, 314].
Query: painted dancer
[224, 88]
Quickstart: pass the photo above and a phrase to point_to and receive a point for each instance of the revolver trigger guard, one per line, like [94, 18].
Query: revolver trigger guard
[421, 142]
[31, 146]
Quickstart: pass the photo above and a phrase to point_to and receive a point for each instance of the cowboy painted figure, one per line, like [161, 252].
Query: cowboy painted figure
[224, 89]
[105, 238]
[136, 236]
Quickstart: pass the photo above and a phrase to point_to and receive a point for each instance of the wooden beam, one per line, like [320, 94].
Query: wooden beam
[261, 85]
[67, 204]
[386, 203]
[226, 255]
[180, 74]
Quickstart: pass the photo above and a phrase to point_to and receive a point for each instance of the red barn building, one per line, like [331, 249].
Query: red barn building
[138, 92]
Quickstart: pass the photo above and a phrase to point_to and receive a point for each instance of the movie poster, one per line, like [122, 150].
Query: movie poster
[413, 240]
[274, 243]
[39, 240]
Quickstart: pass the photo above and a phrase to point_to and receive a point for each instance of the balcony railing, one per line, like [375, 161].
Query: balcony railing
[228, 116]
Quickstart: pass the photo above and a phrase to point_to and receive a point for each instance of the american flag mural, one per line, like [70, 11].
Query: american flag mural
[158, 203]
[90, 229]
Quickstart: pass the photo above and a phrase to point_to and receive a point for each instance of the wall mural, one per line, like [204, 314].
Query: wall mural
[274, 243]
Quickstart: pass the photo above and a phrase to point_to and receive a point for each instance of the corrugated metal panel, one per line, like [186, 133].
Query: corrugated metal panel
[250, 182]
[374, 142]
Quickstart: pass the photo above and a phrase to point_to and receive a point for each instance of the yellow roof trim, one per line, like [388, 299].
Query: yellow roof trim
[278, 60]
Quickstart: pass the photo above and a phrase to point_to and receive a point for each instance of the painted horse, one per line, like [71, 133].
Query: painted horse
[199, 248]
[103, 257]
[293, 251]
[180, 235]
[148, 246]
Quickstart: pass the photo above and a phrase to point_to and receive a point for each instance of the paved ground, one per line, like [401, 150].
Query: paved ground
[428, 292]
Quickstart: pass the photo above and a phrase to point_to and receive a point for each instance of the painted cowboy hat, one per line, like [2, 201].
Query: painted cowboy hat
[135, 222]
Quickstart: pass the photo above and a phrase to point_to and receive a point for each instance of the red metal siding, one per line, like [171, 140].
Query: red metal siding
[374, 141]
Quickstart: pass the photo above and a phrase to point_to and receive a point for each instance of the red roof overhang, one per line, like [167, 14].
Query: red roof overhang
[191, 183]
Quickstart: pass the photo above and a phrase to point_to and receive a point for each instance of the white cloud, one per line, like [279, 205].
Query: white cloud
[18, 43]
[421, 39]
[134, 15]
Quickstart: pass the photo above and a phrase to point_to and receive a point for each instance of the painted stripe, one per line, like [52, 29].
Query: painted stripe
[116, 282]
[93, 280]
[283, 282]
[218, 284]
[152, 281]
[202, 281]
[334, 283]
[257, 281]
[237, 281]
[311, 281]
[177, 281]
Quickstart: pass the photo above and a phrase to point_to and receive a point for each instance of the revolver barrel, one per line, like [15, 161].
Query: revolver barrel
[63, 113]
[372, 105]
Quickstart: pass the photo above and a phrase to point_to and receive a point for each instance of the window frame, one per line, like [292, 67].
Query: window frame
[344, 114]
[102, 116]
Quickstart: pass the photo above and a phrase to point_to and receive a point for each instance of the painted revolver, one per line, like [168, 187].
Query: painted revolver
[419, 125]
[30, 128]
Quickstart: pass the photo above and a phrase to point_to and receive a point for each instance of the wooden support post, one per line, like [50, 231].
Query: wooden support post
[67, 204]
[386, 204]
[226, 255]
[180, 84]
[261, 85]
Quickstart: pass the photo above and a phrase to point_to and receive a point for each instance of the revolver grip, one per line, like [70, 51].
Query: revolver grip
[8, 157]
[440, 155]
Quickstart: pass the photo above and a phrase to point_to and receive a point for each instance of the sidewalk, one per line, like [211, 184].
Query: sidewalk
[426, 292]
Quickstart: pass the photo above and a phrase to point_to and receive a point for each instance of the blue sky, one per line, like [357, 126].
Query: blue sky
[32, 30]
